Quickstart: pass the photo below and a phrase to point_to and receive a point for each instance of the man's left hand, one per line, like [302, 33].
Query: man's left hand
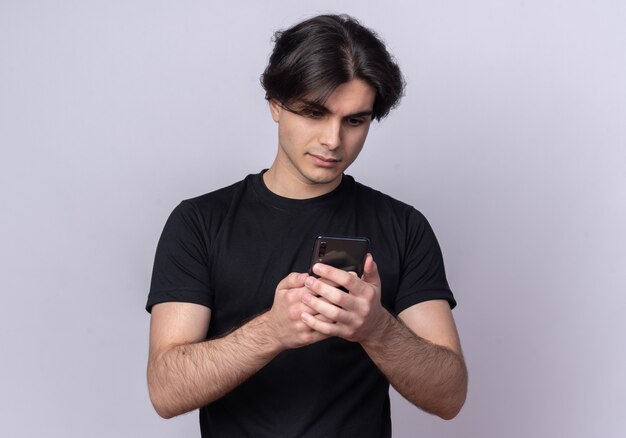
[354, 316]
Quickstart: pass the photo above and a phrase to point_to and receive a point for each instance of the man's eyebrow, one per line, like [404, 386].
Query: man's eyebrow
[312, 105]
[361, 114]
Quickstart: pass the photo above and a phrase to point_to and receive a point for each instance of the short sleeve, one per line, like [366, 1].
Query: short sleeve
[181, 270]
[423, 273]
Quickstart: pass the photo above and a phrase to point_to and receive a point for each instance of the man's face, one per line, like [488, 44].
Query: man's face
[317, 143]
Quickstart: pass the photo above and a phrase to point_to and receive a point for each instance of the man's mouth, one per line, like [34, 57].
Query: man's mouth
[325, 159]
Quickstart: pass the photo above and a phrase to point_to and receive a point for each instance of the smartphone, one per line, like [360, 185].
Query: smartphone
[347, 253]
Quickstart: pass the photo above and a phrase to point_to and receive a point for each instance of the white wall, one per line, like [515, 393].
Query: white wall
[511, 139]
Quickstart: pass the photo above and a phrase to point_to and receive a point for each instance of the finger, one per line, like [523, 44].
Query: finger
[319, 326]
[370, 271]
[321, 288]
[331, 274]
[330, 283]
[310, 310]
[327, 311]
[292, 281]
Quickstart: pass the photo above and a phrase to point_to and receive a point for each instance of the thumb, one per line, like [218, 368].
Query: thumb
[370, 271]
[292, 281]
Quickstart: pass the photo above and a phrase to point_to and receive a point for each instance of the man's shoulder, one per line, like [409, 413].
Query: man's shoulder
[376, 198]
[218, 199]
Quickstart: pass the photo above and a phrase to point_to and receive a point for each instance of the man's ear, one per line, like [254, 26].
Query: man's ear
[275, 108]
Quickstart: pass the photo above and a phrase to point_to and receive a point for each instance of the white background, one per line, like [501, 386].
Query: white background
[511, 140]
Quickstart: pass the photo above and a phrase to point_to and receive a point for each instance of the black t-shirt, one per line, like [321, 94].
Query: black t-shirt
[228, 250]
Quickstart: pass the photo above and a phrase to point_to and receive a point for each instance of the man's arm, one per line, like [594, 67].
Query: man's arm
[419, 353]
[186, 372]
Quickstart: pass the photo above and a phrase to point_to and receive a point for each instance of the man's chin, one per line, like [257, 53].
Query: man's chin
[325, 179]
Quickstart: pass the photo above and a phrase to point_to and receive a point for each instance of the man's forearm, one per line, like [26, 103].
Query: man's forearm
[189, 376]
[430, 376]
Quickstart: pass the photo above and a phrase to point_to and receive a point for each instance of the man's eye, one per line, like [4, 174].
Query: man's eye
[355, 122]
[313, 114]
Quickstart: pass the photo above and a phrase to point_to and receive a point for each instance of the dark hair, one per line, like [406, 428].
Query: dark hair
[314, 57]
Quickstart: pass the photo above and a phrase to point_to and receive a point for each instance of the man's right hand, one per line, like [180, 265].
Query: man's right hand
[284, 318]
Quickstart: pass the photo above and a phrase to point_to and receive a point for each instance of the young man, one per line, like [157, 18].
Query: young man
[239, 330]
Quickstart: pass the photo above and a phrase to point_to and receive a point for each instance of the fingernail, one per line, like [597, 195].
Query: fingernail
[309, 281]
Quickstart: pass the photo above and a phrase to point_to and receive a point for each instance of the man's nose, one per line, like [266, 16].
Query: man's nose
[331, 134]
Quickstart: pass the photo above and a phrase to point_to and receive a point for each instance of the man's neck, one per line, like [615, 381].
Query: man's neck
[290, 186]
